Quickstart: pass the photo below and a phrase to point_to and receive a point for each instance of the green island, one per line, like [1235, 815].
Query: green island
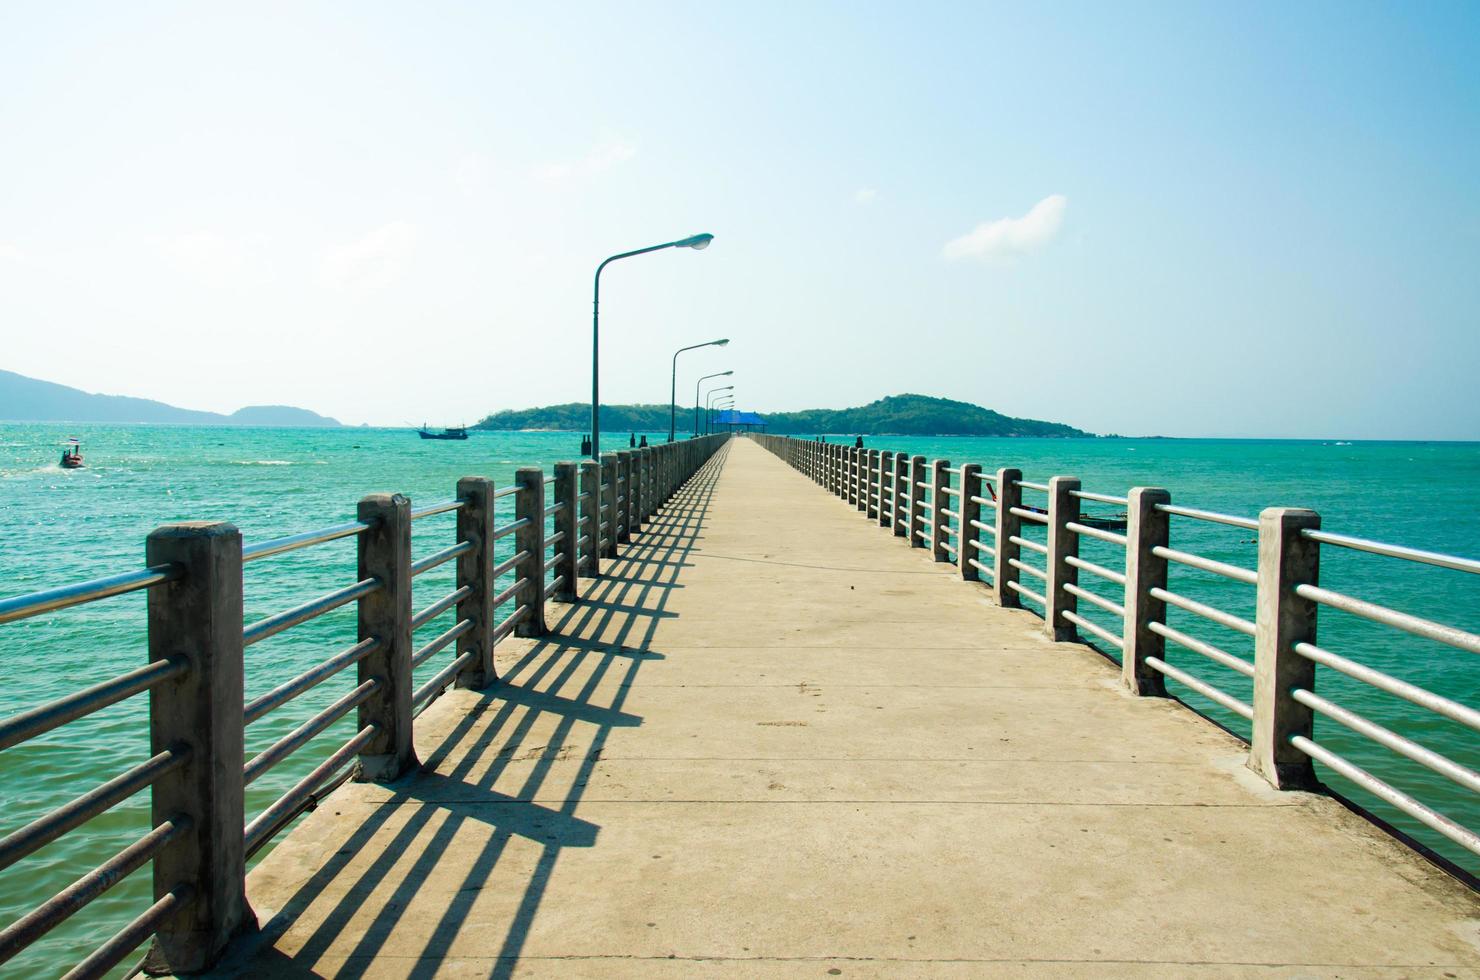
[912, 415]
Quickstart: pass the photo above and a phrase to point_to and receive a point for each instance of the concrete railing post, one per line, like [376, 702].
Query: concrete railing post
[871, 494]
[590, 528]
[971, 515]
[641, 471]
[918, 476]
[608, 505]
[887, 496]
[902, 495]
[1283, 619]
[1063, 509]
[198, 618]
[940, 478]
[475, 524]
[385, 614]
[1146, 529]
[853, 475]
[624, 496]
[568, 552]
[1009, 526]
[529, 504]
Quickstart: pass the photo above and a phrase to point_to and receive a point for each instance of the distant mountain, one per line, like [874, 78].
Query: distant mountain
[24, 399]
[901, 415]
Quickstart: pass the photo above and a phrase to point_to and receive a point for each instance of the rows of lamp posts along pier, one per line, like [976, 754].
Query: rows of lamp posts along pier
[983, 523]
[564, 526]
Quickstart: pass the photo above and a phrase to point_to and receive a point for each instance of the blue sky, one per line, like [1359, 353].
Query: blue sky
[1222, 220]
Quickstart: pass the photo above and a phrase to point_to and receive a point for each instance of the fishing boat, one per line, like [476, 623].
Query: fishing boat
[455, 432]
[1104, 522]
[71, 455]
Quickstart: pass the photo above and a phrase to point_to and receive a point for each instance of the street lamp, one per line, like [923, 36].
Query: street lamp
[722, 374]
[696, 242]
[709, 403]
[673, 382]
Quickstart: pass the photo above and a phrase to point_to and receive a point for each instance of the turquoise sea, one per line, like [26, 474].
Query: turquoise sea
[61, 526]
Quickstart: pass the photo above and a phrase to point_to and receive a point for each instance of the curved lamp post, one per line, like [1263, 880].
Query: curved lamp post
[709, 403]
[673, 381]
[721, 374]
[694, 242]
[723, 405]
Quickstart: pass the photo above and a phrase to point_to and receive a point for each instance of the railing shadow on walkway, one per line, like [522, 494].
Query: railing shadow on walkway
[614, 625]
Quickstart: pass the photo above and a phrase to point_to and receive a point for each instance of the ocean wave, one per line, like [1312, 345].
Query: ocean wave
[262, 462]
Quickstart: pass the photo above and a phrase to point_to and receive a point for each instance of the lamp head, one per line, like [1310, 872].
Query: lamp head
[696, 242]
[722, 342]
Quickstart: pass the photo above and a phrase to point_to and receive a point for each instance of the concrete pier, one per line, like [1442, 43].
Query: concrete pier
[775, 741]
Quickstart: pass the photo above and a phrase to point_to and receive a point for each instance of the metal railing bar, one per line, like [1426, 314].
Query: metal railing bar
[69, 816]
[1411, 693]
[445, 555]
[312, 609]
[27, 725]
[984, 569]
[948, 512]
[1108, 574]
[505, 492]
[1099, 600]
[507, 626]
[508, 593]
[1028, 515]
[430, 650]
[287, 806]
[984, 501]
[1027, 593]
[307, 539]
[1247, 523]
[946, 545]
[953, 491]
[80, 893]
[1461, 835]
[510, 528]
[306, 732]
[435, 509]
[1094, 532]
[982, 546]
[983, 527]
[1207, 565]
[1201, 687]
[442, 678]
[1025, 543]
[1389, 739]
[277, 697]
[1213, 653]
[439, 607]
[1393, 551]
[1023, 566]
[1408, 623]
[554, 539]
[1236, 623]
[554, 585]
[555, 508]
[1103, 498]
[1094, 628]
[130, 937]
[503, 568]
[1033, 486]
[64, 597]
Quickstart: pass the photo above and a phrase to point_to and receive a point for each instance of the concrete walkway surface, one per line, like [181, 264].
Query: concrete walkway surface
[775, 741]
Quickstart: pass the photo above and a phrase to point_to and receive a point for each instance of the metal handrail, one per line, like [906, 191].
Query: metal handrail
[293, 542]
[434, 509]
[260, 707]
[312, 609]
[316, 724]
[1247, 523]
[1202, 687]
[1236, 623]
[440, 557]
[27, 725]
[1407, 622]
[1100, 497]
[64, 597]
[1234, 572]
[1206, 649]
[1105, 573]
[1094, 532]
[1393, 551]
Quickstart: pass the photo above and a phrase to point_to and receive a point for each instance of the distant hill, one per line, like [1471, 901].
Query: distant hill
[912, 415]
[24, 399]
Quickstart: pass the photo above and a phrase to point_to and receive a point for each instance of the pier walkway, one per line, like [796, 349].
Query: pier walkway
[775, 741]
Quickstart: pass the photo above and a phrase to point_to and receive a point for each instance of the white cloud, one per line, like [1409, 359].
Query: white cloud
[371, 261]
[208, 258]
[472, 174]
[610, 152]
[1011, 236]
[865, 195]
